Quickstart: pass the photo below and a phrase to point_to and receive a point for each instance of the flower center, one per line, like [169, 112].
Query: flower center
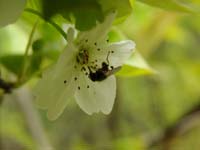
[93, 69]
[82, 57]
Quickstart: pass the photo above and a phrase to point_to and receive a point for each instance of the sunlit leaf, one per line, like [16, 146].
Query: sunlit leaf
[132, 2]
[123, 7]
[135, 66]
[172, 5]
[10, 11]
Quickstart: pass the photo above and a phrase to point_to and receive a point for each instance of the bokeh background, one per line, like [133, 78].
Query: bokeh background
[152, 111]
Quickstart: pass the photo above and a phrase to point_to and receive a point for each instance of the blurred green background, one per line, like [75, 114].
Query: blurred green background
[151, 112]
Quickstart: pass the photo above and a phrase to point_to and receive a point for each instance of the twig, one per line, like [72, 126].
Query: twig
[179, 127]
[6, 86]
[57, 27]
[24, 99]
[25, 65]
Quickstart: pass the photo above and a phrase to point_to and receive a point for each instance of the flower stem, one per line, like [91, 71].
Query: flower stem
[25, 65]
[57, 27]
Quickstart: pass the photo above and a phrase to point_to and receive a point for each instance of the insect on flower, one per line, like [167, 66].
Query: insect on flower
[84, 72]
[103, 72]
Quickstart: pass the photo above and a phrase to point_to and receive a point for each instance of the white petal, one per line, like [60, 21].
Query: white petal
[115, 54]
[43, 88]
[99, 32]
[63, 97]
[120, 52]
[99, 96]
[67, 59]
[52, 92]
[70, 35]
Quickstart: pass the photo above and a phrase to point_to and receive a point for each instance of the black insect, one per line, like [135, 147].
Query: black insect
[102, 73]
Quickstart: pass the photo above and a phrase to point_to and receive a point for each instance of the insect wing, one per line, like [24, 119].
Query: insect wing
[113, 71]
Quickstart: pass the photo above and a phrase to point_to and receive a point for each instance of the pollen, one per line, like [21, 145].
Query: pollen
[82, 57]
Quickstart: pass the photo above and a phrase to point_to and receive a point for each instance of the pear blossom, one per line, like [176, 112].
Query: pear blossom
[84, 72]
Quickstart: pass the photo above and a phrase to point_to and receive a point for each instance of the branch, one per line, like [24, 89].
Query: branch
[31, 116]
[185, 122]
[6, 86]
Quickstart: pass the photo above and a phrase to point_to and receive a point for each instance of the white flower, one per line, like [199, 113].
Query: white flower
[84, 72]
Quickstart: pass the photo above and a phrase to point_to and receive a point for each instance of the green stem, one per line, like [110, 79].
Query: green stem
[57, 27]
[25, 65]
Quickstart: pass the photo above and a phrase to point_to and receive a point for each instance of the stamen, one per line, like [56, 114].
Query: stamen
[77, 60]
[83, 69]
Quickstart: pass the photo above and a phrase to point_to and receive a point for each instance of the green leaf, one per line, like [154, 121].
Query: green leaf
[10, 11]
[14, 63]
[86, 18]
[173, 5]
[115, 35]
[83, 13]
[132, 2]
[38, 45]
[123, 7]
[135, 66]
